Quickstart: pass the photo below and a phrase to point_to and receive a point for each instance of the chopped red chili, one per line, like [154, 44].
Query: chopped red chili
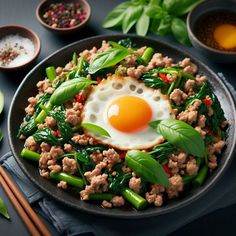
[79, 98]
[207, 101]
[57, 133]
[99, 80]
[167, 169]
[164, 78]
[122, 155]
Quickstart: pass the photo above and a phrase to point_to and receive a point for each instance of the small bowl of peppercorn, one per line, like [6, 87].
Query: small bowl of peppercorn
[211, 27]
[63, 16]
[19, 47]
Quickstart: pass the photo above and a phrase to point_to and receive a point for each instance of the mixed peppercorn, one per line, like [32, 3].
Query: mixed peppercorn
[64, 15]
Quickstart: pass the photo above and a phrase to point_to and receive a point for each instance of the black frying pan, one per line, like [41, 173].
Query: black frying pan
[60, 58]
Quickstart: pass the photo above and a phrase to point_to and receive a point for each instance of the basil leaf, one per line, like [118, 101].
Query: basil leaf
[179, 7]
[146, 167]
[97, 130]
[155, 12]
[46, 135]
[3, 209]
[1, 135]
[106, 59]
[1, 102]
[116, 16]
[131, 16]
[181, 134]
[164, 26]
[179, 30]
[143, 24]
[69, 89]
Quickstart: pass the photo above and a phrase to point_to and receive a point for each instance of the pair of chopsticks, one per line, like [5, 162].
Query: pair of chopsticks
[33, 223]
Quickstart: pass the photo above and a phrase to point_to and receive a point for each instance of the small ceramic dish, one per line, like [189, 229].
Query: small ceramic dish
[24, 36]
[43, 7]
[206, 8]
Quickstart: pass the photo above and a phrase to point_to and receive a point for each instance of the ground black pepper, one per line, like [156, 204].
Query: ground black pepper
[204, 28]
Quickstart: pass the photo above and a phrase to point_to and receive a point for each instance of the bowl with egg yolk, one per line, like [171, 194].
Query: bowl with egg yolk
[211, 27]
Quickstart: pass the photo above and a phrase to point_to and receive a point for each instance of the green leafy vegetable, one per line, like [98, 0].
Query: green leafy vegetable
[3, 209]
[146, 167]
[181, 135]
[95, 129]
[107, 59]
[155, 82]
[69, 89]
[179, 30]
[1, 102]
[115, 17]
[27, 128]
[64, 128]
[127, 42]
[143, 24]
[162, 151]
[131, 16]
[45, 135]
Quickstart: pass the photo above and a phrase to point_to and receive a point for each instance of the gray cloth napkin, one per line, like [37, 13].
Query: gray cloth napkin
[72, 222]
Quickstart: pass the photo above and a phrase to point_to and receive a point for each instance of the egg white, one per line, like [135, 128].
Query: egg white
[101, 96]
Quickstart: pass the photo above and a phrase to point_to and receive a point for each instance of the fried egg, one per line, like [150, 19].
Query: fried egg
[124, 107]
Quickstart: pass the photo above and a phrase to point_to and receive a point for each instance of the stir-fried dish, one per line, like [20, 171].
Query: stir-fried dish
[124, 125]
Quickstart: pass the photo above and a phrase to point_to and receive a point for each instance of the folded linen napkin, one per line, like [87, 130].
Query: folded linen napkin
[71, 222]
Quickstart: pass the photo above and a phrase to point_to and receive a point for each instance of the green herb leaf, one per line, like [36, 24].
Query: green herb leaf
[1, 102]
[116, 16]
[179, 30]
[106, 59]
[143, 24]
[1, 135]
[95, 129]
[146, 167]
[3, 209]
[164, 26]
[181, 135]
[45, 135]
[69, 89]
[131, 16]
[179, 7]
[155, 12]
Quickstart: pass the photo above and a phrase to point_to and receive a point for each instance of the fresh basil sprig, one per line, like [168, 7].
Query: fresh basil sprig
[107, 59]
[3, 209]
[146, 167]
[180, 134]
[160, 17]
[69, 89]
[95, 129]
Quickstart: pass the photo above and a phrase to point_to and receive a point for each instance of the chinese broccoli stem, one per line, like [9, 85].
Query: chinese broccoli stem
[100, 196]
[43, 114]
[198, 181]
[74, 59]
[29, 155]
[188, 178]
[70, 179]
[147, 55]
[135, 199]
[51, 73]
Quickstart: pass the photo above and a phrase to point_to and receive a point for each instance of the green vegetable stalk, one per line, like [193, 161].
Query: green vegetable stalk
[51, 73]
[29, 155]
[100, 196]
[70, 179]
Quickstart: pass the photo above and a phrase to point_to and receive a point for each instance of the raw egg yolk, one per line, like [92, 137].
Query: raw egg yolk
[129, 114]
[225, 36]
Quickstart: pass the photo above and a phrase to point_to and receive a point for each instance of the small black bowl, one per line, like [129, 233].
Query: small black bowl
[200, 10]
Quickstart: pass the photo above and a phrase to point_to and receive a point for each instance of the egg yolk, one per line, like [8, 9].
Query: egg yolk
[129, 114]
[225, 36]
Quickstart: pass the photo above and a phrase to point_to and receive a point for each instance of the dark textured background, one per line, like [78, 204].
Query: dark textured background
[23, 12]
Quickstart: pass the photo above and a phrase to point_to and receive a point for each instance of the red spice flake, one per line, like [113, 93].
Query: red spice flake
[57, 133]
[207, 101]
[164, 78]
[167, 169]
[99, 80]
[122, 155]
[64, 15]
[79, 98]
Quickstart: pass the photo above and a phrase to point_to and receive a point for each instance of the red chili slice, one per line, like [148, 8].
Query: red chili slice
[122, 155]
[207, 101]
[79, 98]
[164, 78]
[99, 80]
[57, 133]
[167, 169]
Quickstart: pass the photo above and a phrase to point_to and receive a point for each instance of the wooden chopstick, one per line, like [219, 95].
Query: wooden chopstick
[32, 221]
